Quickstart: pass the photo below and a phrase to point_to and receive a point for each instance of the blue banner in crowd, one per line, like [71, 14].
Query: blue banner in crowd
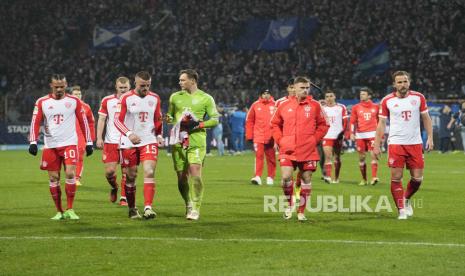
[274, 35]
[113, 36]
[373, 62]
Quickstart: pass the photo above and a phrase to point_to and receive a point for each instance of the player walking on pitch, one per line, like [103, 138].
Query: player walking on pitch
[60, 112]
[139, 120]
[298, 125]
[110, 145]
[187, 110]
[404, 108]
[363, 121]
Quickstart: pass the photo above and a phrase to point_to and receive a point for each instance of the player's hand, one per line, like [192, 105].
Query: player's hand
[167, 118]
[352, 137]
[340, 136]
[376, 152]
[33, 149]
[134, 139]
[191, 125]
[161, 141]
[99, 144]
[89, 150]
[429, 144]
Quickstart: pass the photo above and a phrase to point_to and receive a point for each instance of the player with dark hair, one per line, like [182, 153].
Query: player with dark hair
[404, 108]
[363, 121]
[60, 112]
[110, 144]
[140, 121]
[332, 142]
[258, 130]
[187, 110]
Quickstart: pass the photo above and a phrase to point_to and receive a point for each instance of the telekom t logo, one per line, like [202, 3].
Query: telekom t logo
[58, 118]
[143, 116]
[367, 116]
[406, 115]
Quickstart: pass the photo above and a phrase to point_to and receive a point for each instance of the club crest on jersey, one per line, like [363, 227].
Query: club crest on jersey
[151, 103]
[44, 164]
[307, 108]
[391, 161]
[413, 102]
[68, 105]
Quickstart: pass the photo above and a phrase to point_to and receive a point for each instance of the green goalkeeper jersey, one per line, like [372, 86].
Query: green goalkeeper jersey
[202, 105]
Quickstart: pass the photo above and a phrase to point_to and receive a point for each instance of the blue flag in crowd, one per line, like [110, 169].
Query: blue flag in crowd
[273, 35]
[373, 62]
[113, 36]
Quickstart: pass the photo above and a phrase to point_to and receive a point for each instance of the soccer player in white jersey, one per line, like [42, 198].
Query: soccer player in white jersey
[59, 111]
[139, 120]
[332, 142]
[110, 144]
[404, 108]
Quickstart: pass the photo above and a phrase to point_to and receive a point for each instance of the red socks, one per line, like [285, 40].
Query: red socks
[337, 168]
[55, 191]
[123, 185]
[397, 192]
[112, 182]
[363, 170]
[149, 191]
[70, 189]
[305, 191]
[288, 189]
[328, 168]
[412, 188]
[374, 169]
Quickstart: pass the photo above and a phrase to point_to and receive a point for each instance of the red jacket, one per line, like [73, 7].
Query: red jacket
[257, 123]
[91, 121]
[298, 127]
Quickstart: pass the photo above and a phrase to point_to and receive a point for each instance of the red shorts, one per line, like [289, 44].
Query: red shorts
[302, 165]
[133, 156]
[111, 153]
[364, 145]
[410, 155]
[52, 158]
[335, 143]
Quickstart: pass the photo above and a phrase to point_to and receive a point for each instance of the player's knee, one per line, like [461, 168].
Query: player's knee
[69, 174]
[110, 172]
[148, 173]
[417, 179]
[286, 182]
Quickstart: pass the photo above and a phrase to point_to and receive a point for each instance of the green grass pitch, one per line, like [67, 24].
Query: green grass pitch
[234, 234]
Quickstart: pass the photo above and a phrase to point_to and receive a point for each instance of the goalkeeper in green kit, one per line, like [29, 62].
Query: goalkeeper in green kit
[188, 110]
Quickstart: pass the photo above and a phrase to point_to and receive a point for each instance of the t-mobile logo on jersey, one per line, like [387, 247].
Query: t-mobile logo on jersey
[143, 116]
[58, 118]
[367, 116]
[406, 115]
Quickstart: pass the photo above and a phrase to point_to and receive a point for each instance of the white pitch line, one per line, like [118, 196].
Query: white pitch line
[406, 243]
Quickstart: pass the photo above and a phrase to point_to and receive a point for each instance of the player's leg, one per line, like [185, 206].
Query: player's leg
[396, 161]
[415, 163]
[195, 178]
[322, 160]
[270, 162]
[179, 156]
[110, 175]
[287, 168]
[306, 189]
[374, 169]
[123, 200]
[80, 165]
[130, 162]
[328, 152]
[259, 149]
[69, 156]
[337, 161]
[361, 149]
[149, 187]
[55, 191]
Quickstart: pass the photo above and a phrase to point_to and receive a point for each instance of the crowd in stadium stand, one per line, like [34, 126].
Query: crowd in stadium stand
[425, 37]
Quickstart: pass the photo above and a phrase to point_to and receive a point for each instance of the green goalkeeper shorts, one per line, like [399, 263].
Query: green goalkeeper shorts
[183, 157]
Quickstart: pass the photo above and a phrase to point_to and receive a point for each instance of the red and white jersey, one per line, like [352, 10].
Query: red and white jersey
[108, 108]
[404, 117]
[140, 115]
[59, 118]
[91, 121]
[336, 115]
[364, 119]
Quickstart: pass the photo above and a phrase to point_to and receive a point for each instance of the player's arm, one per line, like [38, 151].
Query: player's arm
[379, 136]
[119, 122]
[345, 122]
[158, 123]
[84, 125]
[91, 120]
[102, 119]
[249, 123]
[37, 116]
[353, 123]
[170, 115]
[277, 125]
[322, 125]
[427, 123]
[212, 113]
